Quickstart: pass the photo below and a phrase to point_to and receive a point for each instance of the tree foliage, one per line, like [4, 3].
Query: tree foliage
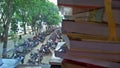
[52, 15]
[14, 25]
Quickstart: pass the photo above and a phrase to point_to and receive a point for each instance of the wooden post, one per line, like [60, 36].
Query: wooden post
[110, 19]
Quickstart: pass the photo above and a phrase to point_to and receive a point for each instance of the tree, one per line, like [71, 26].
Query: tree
[35, 13]
[44, 11]
[6, 11]
[2, 19]
[52, 17]
[22, 9]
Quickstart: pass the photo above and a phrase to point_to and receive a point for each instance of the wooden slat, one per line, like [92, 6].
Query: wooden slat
[77, 6]
[95, 47]
[79, 37]
[95, 3]
[89, 63]
[97, 56]
[86, 30]
[87, 3]
[66, 64]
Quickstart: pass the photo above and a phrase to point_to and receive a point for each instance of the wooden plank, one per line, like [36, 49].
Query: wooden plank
[95, 47]
[98, 3]
[90, 63]
[66, 64]
[97, 56]
[90, 30]
[85, 28]
[87, 3]
[77, 6]
[79, 37]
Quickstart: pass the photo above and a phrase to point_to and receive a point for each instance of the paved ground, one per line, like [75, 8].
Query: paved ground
[10, 44]
[34, 66]
[45, 58]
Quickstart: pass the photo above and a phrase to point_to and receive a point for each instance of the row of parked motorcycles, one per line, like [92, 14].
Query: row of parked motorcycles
[44, 50]
[29, 44]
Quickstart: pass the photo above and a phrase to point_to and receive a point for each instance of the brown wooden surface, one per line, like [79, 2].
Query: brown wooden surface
[85, 30]
[87, 3]
[97, 56]
[88, 63]
[66, 64]
[95, 47]
[79, 37]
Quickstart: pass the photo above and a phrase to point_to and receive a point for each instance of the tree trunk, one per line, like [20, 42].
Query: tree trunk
[24, 23]
[1, 38]
[33, 26]
[4, 53]
[40, 26]
[6, 28]
[24, 26]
